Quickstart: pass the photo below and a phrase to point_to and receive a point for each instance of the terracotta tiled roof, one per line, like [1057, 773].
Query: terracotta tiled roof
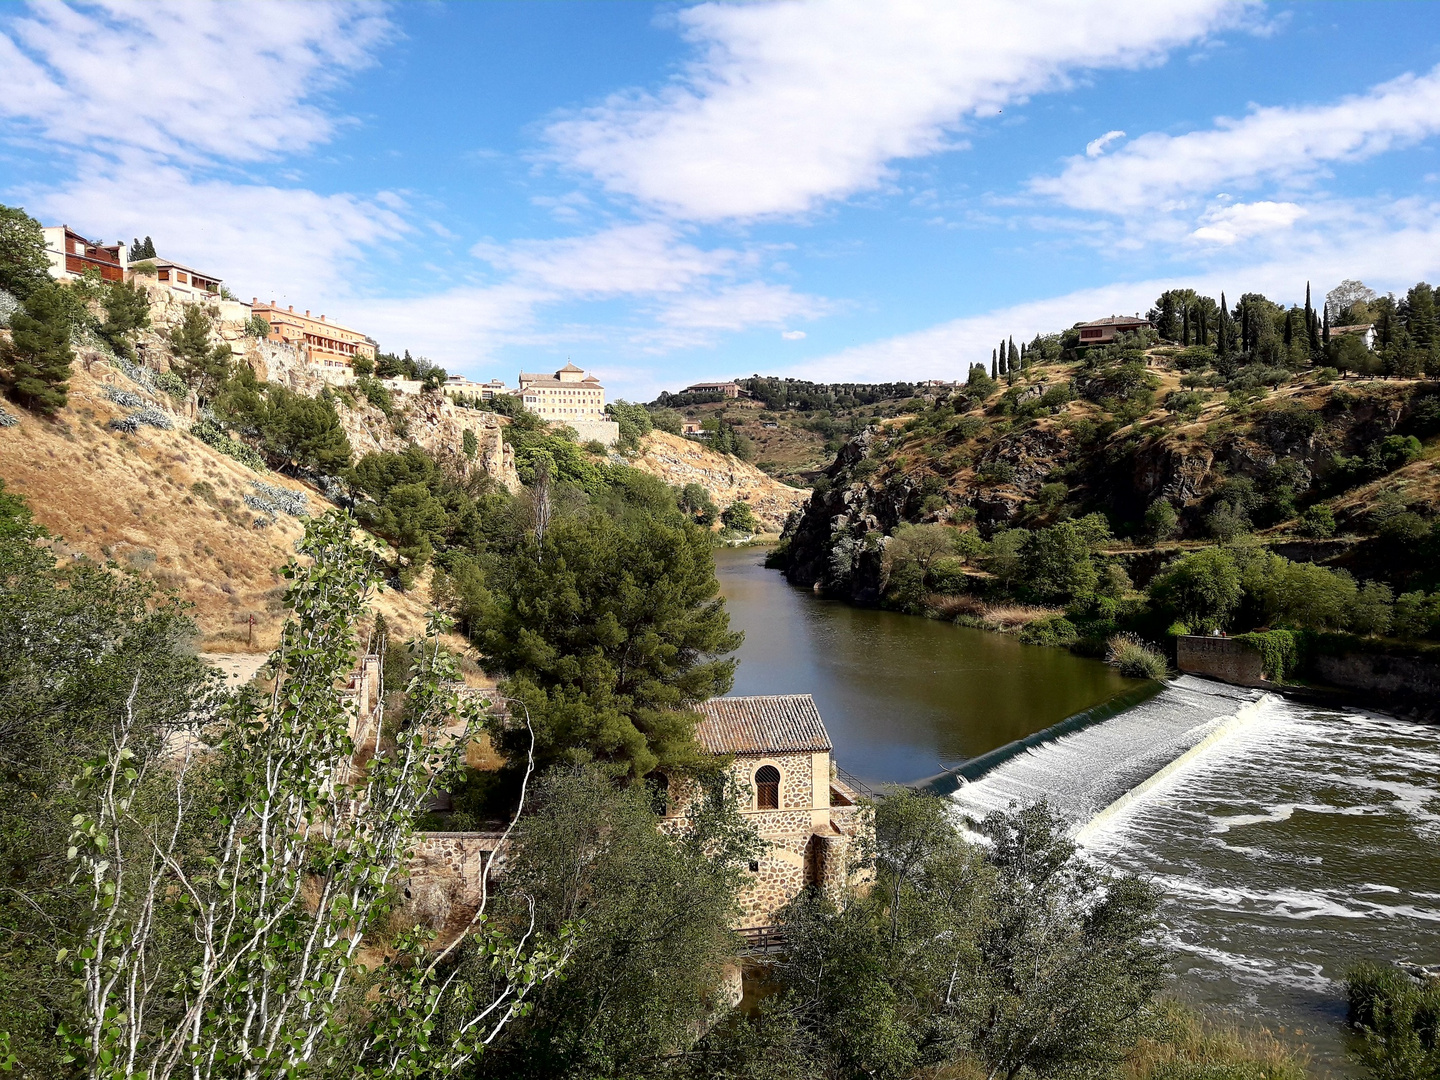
[780, 723]
[1118, 320]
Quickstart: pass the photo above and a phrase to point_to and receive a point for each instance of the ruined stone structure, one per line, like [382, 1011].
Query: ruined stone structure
[797, 803]
[1220, 658]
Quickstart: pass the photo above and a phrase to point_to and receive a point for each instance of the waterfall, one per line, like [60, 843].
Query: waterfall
[1089, 770]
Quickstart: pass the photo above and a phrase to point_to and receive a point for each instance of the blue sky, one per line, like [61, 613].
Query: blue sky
[664, 193]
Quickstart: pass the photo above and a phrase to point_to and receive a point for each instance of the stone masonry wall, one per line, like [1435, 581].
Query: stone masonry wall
[1220, 658]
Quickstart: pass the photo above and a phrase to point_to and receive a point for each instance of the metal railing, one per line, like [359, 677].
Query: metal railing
[760, 940]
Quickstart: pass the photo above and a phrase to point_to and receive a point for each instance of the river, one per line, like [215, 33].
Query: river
[1300, 842]
[902, 697]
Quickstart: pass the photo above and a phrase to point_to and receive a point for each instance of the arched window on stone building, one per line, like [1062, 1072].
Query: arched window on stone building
[767, 788]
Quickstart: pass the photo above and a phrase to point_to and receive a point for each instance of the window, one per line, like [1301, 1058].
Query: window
[767, 788]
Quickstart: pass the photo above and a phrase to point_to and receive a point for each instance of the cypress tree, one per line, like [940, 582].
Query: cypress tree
[135, 248]
[149, 252]
[1325, 338]
[1185, 325]
[36, 362]
[1014, 356]
[994, 365]
[1222, 331]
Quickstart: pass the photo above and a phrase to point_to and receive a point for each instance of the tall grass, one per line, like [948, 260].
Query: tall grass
[967, 610]
[1134, 658]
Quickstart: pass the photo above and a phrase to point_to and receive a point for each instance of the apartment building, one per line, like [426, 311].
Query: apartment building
[325, 343]
[567, 396]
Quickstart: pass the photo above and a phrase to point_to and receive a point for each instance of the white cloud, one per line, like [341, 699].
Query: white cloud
[793, 335]
[627, 259]
[1096, 147]
[183, 81]
[737, 307]
[1275, 144]
[281, 242]
[1388, 252]
[794, 103]
[1241, 221]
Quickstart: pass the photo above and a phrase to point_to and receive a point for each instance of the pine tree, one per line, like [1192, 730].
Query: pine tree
[36, 362]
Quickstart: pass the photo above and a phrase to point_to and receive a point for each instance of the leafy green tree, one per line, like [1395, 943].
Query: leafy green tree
[1070, 961]
[286, 860]
[667, 420]
[81, 648]
[202, 365]
[35, 363]
[632, 419]
[1160, 520]
[695, 501]
[656, 904]
[740, 518]
[24, 266]
[1202, 589]
[609, 625]
[1057, 563]
[1298, 594]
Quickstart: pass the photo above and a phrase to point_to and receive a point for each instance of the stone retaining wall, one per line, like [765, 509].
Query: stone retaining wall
[1220, 658]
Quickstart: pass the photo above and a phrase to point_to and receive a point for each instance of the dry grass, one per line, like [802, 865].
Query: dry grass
[132, 498]
[1192, 1045]
[1004, 618]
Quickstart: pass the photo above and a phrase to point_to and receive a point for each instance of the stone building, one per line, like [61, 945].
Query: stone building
[781, 757]
[325, 344]
[566, 396]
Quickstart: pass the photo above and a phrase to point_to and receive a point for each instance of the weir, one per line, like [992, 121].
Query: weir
[1084, 768]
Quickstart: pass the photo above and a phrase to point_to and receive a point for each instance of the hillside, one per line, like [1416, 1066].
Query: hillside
[725, 478]
[1344, 472]
[168, 506]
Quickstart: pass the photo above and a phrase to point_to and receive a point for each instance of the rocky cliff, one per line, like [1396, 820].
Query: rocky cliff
[725, 477]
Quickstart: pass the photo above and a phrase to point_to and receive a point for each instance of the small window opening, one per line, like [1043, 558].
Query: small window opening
[767, 788]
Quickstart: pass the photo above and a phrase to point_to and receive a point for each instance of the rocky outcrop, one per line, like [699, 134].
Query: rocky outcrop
[725, 477]
[437, 427]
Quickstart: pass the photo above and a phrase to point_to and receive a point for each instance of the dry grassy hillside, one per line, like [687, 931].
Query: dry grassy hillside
[680, 461]
[170, 507]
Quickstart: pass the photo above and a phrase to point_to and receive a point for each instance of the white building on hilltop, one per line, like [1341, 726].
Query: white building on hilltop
[567, 396]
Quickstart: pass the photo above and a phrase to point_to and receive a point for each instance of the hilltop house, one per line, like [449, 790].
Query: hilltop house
[1104, 331]
[730, 389]
[71, 255]
[1364, 331]
[191, 284]
[324, 343]
[798, 802]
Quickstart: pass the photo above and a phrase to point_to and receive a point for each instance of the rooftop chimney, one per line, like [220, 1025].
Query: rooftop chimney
[254, 300]
[307, 312]
[292, 307]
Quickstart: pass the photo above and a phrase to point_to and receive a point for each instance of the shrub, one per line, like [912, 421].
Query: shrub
[1399, 1019]
[739, 517]
[1058, 631]
[124, 398]
[171, 383]
[1280, 651]
[1160, 520]
[1318, 522]
[1417, 615]
[1135, 659]
[215, 437]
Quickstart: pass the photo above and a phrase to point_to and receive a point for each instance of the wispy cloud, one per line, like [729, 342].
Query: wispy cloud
[792, 104]
[1158, 172]
[1096, 147]
[183, 81]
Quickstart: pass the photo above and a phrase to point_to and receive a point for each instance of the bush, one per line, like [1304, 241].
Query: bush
[1399, 1019]
[739, 517]
[1416, 615]
[1280, 651]
[1135, 659]
[1058, 631]
[215, 437]
[1318, 522]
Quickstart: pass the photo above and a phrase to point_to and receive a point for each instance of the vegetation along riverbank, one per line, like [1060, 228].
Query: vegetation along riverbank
[1228, 469]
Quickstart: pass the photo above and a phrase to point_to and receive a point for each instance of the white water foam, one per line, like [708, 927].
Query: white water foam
[1083, 773]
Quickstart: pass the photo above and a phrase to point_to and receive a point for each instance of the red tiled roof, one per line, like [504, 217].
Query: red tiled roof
[774, 724]
[1118, 320]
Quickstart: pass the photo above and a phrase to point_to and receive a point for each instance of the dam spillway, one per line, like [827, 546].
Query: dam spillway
[1289, 842]
[1082, 773]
